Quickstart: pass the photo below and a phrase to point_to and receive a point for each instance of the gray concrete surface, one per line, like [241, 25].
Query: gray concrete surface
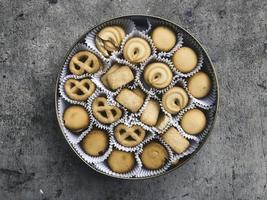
[37, 163]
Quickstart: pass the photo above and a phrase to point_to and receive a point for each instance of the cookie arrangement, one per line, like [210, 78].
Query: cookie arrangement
[136, 97]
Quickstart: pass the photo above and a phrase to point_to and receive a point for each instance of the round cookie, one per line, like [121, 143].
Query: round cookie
[136, 50]
[95, 143]
[76, 118]
[164, 38]
[199, 85]
[193, 121]
[121, 162]
[154, 155]
[185, 59]
[158, 75]
[174, 100]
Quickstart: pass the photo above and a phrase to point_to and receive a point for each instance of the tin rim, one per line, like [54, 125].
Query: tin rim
[181, 161]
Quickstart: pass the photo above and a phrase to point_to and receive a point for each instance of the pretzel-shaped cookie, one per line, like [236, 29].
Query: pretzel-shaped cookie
[79, 90]
[84, 61]
[105, 113]
[129, 136]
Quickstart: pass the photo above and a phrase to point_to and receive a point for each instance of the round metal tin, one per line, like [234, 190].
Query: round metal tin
[142, 18]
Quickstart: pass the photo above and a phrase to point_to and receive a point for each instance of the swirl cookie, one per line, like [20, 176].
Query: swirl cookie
[129, 136]
[158, 75]
[95, 143]
[193, 121]
[121, 162]
[185, 59]
[109, 39]
[199, 85]
[174, 100]
[154, 155]
[104, 112]
[76, 118]
[84, 62]
[136, 50]
[163, 38]
[79, 90]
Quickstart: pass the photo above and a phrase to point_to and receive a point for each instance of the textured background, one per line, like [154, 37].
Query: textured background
[36, 161]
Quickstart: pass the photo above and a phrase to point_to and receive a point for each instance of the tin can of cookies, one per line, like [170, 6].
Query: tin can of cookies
[136, 97]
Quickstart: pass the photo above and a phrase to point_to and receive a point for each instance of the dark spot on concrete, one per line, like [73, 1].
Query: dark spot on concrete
[185, 195]
[233, 173]
[222, 13]
[188, 13]
[58, 194]
[265, 47]
[20, 17]
[261, 85]
[14, 178]
[33, 62]
[4, 76]
[52, 1]
[36, 119]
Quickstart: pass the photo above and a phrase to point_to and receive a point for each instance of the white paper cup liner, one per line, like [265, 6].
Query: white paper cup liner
[81, 47]
[93, 159]
[209, 101]
[72, 137]
[103, 166]
[145, 86]
[135, 33]
[144, 172]
[149, 135]
[110, 101]
[62, 89]
[210, 115]
[179, 36]
[127, 25]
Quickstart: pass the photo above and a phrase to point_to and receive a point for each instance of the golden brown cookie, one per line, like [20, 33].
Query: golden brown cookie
[199, 85]
[140, 93]
[136, 50]
[193, 121]
[150, 113]
[154, 155]
[110, 71]
[185, 59]
[109, 39]
[79, 90]
[129, 136]
[121, 162]
[130, 100]
[174, 100]
[104, 112]
[76, 118]
[162, 122]
[84, 62]
[95, 143]
[164, 38]
[158, 75]
[120, 77]
[175, 140]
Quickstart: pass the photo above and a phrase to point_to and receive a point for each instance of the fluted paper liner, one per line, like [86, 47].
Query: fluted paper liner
[140, 34]
[144, 172]
[127, 25]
